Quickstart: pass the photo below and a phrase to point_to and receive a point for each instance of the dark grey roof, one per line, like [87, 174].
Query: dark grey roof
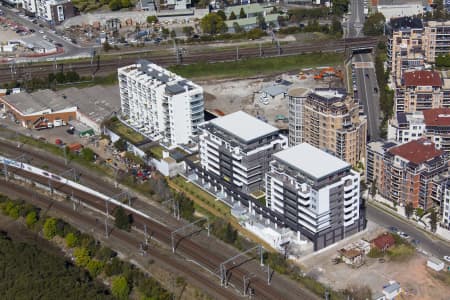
[401, 118]
[405, 23]
[174, 89]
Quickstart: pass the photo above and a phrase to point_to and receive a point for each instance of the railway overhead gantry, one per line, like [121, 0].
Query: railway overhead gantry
[183, 228]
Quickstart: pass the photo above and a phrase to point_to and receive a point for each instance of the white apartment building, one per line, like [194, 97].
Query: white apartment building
[445, 207]
[316, 193]
[237, 148]
[160, 104]
[406, 127]
[50, 10]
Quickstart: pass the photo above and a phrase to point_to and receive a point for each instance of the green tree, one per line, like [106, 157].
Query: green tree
[242, 14]
[188, 31]
[121, 145]
[71, 240]
[152, 19]
[115, 5]
[237, 28]
[125, 3]
[122, 220]
[336, 27]
[340, 7]
[173, 34]
[221, 14]
[106, 46]
[60, 77]
[373, 188]
[409, 209]
[433, 220]
[31, 219]
[81, 256]
[49, 228]
[212, 23]
[88, 154]
[165, 32]
[120, 288]
[232, 16]
[261, 22]
[443, 61]
[374, 24]
[95, 267]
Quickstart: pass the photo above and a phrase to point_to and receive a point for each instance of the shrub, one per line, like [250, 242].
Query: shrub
[375, 253]
[49, 229]
[71, 240]
[31, 219]
[81, 256]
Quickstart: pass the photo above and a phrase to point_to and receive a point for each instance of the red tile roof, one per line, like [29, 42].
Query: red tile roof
[422, 78]
[417, 152]
[437, 117]
[384, 241]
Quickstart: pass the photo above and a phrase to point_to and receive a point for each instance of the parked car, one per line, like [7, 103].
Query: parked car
[403, 235]
[447, 258]
[393, 229]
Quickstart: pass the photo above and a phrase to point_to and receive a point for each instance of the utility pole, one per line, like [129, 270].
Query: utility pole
[145, 234]
[268, 274]
[237, 53]
[260, 50]
[5, 168]
[65, 155]
[106, 219]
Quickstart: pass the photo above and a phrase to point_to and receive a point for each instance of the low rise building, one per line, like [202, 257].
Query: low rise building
[315, 193]
[238, 148]
[332, 122]
[383, 242]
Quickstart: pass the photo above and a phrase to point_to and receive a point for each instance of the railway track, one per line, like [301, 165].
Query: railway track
[194, 249]
[199, 279]
[25, 71]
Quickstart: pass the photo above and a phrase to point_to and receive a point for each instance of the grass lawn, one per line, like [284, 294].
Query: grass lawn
[257, 66]
[125, 132]
[156, 152]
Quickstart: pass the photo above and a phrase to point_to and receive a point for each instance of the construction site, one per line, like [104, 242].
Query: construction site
[265, 97]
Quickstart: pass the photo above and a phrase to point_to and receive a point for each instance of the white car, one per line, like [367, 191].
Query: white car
[403, 235]
[447, 258]
[41, 31]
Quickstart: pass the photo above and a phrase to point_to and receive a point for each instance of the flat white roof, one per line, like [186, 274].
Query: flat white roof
[310, 160]
[329, 94]
[243, 126]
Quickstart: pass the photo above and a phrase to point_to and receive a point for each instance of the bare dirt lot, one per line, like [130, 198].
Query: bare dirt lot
[229, 96]
[414, 277]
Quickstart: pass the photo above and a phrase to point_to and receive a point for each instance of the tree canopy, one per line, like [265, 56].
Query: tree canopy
[374, 24]
[212, 23]
[120, 288]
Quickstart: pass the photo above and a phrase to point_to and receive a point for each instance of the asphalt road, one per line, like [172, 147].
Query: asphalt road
[431, 245]
[356, 19]
[366, 82]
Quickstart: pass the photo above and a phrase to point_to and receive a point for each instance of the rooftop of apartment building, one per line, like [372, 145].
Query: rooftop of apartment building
[422, 78]
[243, 126]
[298, 92]
[144, 69]
[403, 23]
[437, 23]
[437, 117]
[417, 151]
[329, 95]
[381, 147]
[409, 118]
[312, 161]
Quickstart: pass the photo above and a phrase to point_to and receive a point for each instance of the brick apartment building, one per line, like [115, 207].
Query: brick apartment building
[413, 172]
[420, 90]
[331, 122]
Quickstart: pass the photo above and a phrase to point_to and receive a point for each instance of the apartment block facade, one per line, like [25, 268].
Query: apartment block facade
[436, 39]
[404, 47]
[445, 206]
[296, 102]
[316, 193]
[420, 90]
[433, 124]
[55, 11]
[238, 148]
[332, 122]
[160, 104]
[411, 172]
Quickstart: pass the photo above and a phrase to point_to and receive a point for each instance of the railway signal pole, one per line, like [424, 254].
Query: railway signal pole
[106, 218]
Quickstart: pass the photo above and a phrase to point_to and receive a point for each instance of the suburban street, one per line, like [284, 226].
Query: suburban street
[431, 245]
